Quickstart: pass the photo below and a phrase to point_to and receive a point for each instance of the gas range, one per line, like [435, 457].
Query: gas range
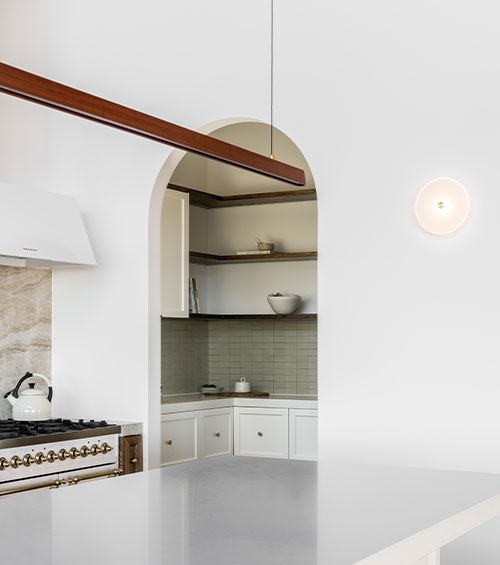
[15, 433]
[52, 453]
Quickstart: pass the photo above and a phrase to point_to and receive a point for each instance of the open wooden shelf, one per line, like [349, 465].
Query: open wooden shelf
[208, 200]
[255, 316]
[211, 259]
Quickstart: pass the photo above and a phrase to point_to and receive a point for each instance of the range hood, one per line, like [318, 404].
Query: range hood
[41, 229]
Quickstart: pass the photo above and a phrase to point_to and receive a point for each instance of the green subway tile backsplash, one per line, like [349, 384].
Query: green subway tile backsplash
[276, 356]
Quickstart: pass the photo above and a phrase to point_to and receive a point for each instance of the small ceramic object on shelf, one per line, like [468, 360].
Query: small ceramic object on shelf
[264, 246]
[242, 385]
[284, 303]
[210, 388]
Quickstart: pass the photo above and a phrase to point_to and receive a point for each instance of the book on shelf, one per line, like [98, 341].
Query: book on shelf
[256, 252]
[194, 299]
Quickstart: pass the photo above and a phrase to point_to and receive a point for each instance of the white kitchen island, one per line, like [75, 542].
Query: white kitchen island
[245, 511]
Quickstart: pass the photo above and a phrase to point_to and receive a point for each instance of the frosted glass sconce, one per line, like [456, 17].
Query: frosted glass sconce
[442, 206]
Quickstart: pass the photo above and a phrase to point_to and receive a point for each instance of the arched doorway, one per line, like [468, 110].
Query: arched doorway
[294, 230]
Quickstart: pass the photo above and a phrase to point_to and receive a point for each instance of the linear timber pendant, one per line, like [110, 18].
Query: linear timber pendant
[34, 88]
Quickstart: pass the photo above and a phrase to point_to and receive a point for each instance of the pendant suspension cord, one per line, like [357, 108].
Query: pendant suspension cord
[272, 75]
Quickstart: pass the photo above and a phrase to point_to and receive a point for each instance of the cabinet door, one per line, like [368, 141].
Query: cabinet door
[217, 432]
[303, 433]
[131, 454]
[179, 437]
[261, 432]
[175, 255]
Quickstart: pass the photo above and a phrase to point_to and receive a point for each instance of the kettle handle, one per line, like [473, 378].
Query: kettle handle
[28, 375]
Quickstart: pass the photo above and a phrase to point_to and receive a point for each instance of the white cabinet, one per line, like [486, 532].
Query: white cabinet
[180, 437]
[175, 255]
[303, 434]
[261, 432]
[217, 426]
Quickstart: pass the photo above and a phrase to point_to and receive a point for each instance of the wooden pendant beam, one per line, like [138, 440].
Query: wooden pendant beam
[34, 88]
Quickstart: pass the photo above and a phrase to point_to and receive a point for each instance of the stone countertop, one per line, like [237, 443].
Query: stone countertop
[244, 510]
[186, 402]
[129, 428]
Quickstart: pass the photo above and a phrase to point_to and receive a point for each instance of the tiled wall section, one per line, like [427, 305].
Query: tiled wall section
[184, 355]
[277, 356]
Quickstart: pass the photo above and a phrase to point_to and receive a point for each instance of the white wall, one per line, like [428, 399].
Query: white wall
[380, 97]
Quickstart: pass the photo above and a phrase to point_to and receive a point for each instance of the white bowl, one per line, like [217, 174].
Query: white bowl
[286, 304]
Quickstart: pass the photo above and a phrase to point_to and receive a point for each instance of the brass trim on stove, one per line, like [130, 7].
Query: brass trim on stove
[50, 484]
[60, 436]
[60, 482]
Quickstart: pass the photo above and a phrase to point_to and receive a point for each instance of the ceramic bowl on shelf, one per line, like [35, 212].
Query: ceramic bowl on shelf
[284, 303]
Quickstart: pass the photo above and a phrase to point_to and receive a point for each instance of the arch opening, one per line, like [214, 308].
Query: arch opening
[234, 288]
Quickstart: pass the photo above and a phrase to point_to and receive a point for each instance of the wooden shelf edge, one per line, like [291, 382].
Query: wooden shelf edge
[211, 259]
[209, 200]
[255, 316]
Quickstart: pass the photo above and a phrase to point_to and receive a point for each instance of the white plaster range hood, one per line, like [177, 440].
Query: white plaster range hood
[41, 229]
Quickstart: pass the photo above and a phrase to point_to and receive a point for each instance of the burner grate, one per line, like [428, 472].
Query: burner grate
[15, 428]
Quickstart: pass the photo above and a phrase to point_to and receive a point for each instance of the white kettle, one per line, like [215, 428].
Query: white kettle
[30, 404]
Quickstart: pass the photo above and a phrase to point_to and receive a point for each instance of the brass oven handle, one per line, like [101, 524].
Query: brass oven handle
[109, 474]
[51, 484]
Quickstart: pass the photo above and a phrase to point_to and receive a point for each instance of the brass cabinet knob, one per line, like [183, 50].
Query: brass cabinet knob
[40, 458]
[169, 442]
[260, 434]
[16, 462]
[84, 451]
[63, 455]
[74, 453]
[4, 463]
[217, 434]
[28, 460]
[51, 456]
[95, 449]
[133, 461]
[106, 448]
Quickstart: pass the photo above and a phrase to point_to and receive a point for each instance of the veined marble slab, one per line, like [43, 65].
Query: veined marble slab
[25, 327]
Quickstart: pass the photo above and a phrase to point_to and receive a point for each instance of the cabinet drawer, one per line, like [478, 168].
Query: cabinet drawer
[261, 432]
[179, 438]
[303, 433]
[217, 432]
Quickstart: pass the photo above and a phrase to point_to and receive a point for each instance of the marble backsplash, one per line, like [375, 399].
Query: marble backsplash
[25, 326]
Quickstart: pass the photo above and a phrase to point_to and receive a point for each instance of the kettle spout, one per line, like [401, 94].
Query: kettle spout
[11, 398]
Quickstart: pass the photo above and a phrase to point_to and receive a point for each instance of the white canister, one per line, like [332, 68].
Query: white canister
[242, 385]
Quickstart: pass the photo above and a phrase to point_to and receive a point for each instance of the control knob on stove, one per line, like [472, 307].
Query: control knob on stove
[40, 458]
[63, 454]
[106, 448]
[4, 463]
[28, 460]
[74, 453]
[84, 451]
[51, 456]
[95, 449]
[16, 462]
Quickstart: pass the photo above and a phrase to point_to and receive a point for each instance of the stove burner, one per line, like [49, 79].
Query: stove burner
[14, 428]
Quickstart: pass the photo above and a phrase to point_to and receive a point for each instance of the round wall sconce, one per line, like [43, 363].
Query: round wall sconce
[442, 206]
